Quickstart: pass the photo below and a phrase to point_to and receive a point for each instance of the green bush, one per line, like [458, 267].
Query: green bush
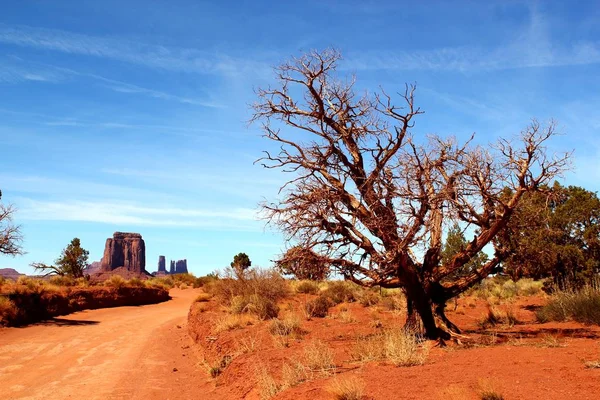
[319, 307]
[581, 306]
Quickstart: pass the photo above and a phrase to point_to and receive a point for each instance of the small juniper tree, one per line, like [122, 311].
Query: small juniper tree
[241, 262]
[72, 261]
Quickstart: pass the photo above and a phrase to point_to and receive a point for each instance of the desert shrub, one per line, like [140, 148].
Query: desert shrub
[262, 307]
[318, 357]
[496, 317]
[8, 310]
[398, 346]
[229, 322]
[285, 327]
[308, 287]
[340, 292]
[32, 284]
[135, 282]
[263, 283]
[581, 306]
[59, 280]
[490, 394]
[319, 307]
[346, 316]
[188, 280]
[267, 386]
[529, 287]
[368, 298]
[115, 281]
[347, 389]
[164, 282]
[203, 297]
[395, 302]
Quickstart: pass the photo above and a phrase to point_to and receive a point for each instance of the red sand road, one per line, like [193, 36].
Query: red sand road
[114, 353]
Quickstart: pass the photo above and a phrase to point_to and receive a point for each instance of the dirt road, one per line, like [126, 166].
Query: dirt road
[115, 353]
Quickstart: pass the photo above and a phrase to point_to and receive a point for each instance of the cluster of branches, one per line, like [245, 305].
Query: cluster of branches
[373, 200]
[10, 235]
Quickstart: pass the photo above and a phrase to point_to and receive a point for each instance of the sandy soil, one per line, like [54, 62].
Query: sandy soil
[525, 361]
[117, 353]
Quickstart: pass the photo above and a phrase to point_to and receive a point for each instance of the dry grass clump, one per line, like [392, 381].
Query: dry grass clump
[161, 282]
[257, 293]
[203, 297]
[8, 310]
[496, 317]
[346, 316]
[592, 364]
[529, 287]
[267, 385]
[581, 306]
[395, 302]
[307, 287]
[116, 281]
[318, 357]
[229, 322]
[286, 327]
[135, 282]
[341, 291]
[397, 346]
[502, 288]
[346, 388]
[59, 280]
[490, 394]
[316, 360]
[32, 284]
[263, 307]
[318, 308]
[368, 298]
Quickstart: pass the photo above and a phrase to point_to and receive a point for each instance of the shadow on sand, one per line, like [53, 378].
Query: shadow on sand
[66, 322]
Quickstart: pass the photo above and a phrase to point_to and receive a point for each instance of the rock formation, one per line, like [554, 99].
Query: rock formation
[176, 267]
[181, 267]
[126, 250]
[162, 264]
[10, 273]
[93, 268]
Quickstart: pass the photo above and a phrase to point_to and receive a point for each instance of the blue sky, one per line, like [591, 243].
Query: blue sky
[132, 115]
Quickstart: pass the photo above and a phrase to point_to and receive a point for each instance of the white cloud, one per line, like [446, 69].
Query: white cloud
[131, 214]
[16, 73]
[529, 47]
[154, 56]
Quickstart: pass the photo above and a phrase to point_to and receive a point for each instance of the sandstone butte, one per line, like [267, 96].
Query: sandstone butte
[126, 250]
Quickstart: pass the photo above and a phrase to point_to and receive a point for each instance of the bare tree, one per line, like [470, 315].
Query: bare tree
[374, 201]
[10, 235]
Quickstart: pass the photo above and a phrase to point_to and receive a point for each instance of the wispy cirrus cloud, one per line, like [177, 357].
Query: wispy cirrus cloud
[13, 72]
[476, 59]
[130, 51]
[530, 47]
[131, 214]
